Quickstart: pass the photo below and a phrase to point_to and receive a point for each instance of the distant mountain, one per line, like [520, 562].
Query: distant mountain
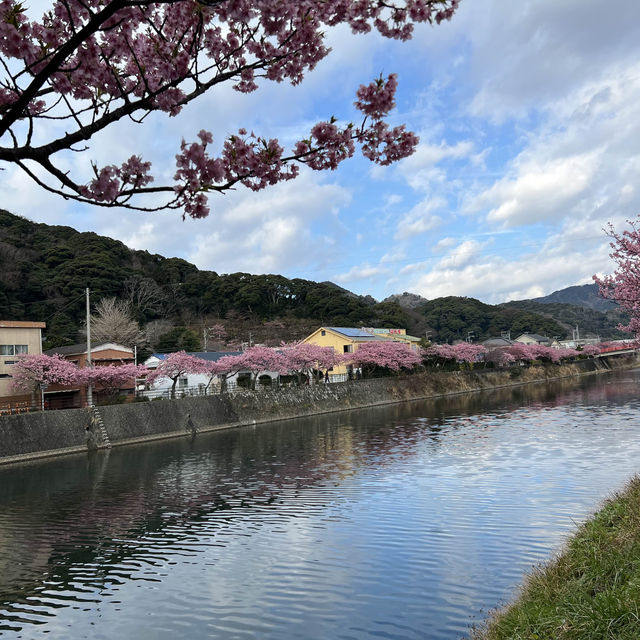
[407, 300]
[457, 318]
[453, 318]
[370, 300]
[585, 295]
[590, 323]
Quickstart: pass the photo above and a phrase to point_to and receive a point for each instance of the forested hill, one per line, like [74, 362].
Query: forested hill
[455, 318]
[590, 322]
[45, 269]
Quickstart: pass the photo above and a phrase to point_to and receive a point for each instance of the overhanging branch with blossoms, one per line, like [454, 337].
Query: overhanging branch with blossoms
[89, 64]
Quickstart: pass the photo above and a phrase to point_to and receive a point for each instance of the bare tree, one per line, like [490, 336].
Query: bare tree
[113, 322]
[144, 295]
[155, 329]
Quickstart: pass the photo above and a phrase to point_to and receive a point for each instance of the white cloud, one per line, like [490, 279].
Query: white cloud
[360, 272]
[270, 230]
[420, 219]
[534, 52]
[539, 190]
[428, 155]
[461, 255]
[567, 258]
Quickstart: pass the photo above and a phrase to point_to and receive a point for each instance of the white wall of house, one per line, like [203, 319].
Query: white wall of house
[192, 383]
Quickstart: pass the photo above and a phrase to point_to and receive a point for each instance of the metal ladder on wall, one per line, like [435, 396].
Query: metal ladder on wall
[97, 420]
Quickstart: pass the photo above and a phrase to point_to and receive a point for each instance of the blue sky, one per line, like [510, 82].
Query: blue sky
[529, 119]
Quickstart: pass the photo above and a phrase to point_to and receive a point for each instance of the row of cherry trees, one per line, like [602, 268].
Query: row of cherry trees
[31, 372]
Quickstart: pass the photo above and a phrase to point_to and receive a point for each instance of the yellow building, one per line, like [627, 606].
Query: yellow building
[347, 339]
[397, 335]
[16, 338]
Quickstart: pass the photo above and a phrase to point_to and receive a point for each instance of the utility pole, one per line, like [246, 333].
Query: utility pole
[89, 386]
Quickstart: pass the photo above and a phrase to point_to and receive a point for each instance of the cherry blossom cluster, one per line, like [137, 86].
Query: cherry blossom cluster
[31, 371]
[387, 354]
[530, 352]
[257, 162]
[89, 64]
[461, 352]
[623, 286]
[590, 350]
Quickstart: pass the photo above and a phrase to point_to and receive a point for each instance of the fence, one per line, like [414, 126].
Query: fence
[12, 408]
[210, 390]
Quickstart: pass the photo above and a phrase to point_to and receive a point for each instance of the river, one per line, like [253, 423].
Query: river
[404, 522]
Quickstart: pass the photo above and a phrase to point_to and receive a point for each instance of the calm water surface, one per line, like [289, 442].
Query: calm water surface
[404, 522]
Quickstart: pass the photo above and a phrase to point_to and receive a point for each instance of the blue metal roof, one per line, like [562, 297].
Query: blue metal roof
[351, 333]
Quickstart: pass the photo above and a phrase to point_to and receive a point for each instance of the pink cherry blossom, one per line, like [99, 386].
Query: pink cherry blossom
[32, 371]
[623, 286]
[388, 354]
[176, 365]
[88, 65]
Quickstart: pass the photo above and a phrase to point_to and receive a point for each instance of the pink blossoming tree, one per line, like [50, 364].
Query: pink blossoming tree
[224, 368]
[466, 352]
[623, 286]
[590, 350]
[33, 371]
[88, 65]
[262, 359]
[521, 352]
[111, 378]
[389, 355]
[176, 365]
[499, 357]
[302, 358]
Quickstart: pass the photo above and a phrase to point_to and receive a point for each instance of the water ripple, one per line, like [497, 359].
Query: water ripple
[400, 523]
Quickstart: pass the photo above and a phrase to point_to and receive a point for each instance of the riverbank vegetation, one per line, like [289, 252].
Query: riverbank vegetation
[591, 591]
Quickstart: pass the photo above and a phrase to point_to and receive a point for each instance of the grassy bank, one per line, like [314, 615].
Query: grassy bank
[591, 591]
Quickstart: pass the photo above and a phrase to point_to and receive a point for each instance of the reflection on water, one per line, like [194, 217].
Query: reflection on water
[399, 522]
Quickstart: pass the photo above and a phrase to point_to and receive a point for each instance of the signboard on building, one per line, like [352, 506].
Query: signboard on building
[397, 332]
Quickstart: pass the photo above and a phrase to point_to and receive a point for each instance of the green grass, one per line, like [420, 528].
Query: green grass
[591, 591]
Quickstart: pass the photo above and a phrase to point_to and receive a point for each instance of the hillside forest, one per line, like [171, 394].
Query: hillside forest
[44, 271]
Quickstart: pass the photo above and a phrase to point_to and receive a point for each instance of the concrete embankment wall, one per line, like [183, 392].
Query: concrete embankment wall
[39, 434]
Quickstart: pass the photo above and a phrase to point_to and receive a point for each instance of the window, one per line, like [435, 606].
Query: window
[183, 382]
[10, 361]
[13, 349]
[323, 333]
[348, 348]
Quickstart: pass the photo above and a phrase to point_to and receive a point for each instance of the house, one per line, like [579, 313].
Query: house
[198, 383]
[17, 337]
[397, 335]
[534, 338]
[491, 344]
[105, 353]
[347, 340]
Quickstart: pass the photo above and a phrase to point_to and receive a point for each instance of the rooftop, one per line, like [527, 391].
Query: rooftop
[21, 324]
[81, 347]
[211, 356]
